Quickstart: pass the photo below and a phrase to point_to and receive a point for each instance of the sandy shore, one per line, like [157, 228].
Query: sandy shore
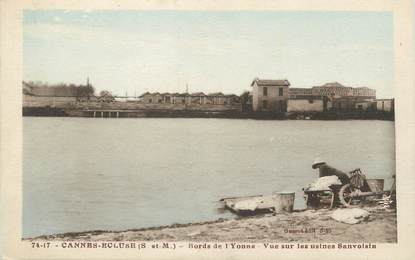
[303, 226]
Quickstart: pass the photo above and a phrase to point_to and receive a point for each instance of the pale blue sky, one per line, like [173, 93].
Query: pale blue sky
[138, 51]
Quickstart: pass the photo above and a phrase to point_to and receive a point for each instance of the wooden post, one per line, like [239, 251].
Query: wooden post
[95, 113]
[118, 114]
[102, 114]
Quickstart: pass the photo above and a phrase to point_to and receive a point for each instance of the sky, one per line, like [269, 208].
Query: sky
[137, 51]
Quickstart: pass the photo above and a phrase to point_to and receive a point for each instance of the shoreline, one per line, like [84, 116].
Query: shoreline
[150, 113]
[297, 226]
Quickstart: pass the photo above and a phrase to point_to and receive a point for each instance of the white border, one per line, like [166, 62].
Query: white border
[11, 127]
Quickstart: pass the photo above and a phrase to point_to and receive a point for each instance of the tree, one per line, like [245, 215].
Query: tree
[246, 97]
[106, 96]
[246, 100]
[85, 91]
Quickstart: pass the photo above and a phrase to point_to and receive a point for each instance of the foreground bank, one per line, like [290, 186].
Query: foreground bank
[300, 226]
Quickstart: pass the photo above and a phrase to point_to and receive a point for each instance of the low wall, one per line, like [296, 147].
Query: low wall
[57, 102]
[303, 105]
[384, 105]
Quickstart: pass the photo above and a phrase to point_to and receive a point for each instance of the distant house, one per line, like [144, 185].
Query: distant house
[270, 95]
[217, 98]
[385, 105]
[197, 98]
[163, 98]
[178, 98]
[337, 90]
[349, 104]
[146, 97]
[232, 99]
[221, 99]
[151, 98]
[166, 98]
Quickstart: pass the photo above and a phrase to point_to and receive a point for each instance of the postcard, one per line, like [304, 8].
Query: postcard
[205, 130]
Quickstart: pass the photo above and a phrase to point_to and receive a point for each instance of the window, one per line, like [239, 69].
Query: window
[280, 92]
[150, 100]
[265, 91]
[159, 101]
[264, 104]
[167, 99]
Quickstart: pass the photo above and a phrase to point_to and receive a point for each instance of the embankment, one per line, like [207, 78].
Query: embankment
[196, 113]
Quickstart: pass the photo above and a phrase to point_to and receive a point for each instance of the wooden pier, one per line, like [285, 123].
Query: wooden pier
[109, 113]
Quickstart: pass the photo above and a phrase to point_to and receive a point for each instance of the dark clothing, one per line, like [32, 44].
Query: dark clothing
[326, 170]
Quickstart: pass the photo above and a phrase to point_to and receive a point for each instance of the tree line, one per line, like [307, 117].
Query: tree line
[69, 89]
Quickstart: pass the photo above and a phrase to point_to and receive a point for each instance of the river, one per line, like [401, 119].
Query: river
[84, 174]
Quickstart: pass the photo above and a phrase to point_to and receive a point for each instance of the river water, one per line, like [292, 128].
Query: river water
[84, 174]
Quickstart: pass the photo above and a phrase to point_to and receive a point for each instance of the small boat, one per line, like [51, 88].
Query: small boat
[249, 205]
